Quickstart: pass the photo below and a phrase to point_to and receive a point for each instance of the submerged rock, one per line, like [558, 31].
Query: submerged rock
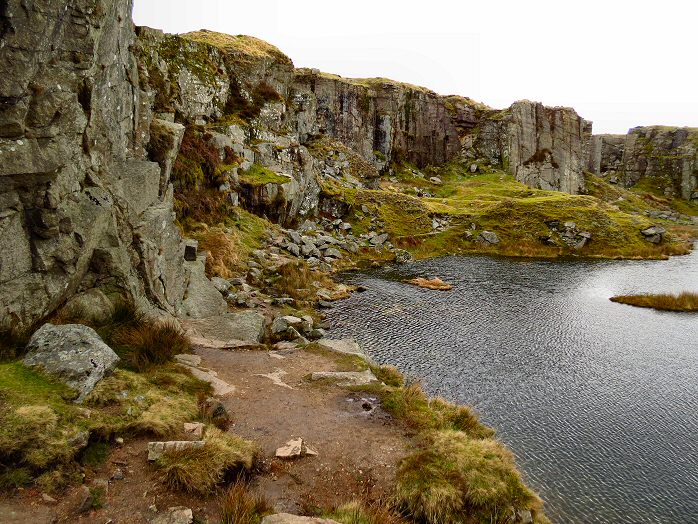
[73, 353]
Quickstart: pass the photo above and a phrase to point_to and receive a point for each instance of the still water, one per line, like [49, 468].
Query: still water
[599, 401]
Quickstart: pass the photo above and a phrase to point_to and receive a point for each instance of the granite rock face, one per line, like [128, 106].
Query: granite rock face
[81, 203]
[73, 353]
[666, 156]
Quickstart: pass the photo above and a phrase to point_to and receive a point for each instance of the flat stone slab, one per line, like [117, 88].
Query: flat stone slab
[287, 518]
[156, 449]
[230, 331]
[195, 430]
[346, 378]
[348, 346]
[275, 377]
[188, 359]
[220, 387]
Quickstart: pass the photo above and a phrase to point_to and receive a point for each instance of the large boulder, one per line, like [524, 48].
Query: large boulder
[73, 353]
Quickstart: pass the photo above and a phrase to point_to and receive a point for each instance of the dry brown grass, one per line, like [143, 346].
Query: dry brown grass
[239, 506]
[200, 470]
[453, 478]
[434, 283]
[150, 343]
[686, 301]
[412, 405]
[223, 253]
[207, 206]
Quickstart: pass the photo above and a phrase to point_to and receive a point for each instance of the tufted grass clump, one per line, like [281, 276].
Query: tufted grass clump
[239, 506]
[412, 405]
[200, 470]
[685, 301]
[452, 478]
[149, 343]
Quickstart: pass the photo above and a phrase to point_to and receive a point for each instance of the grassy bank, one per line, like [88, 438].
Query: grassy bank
[527, 221]
[50, 442]
[456, 472]
[685, 301]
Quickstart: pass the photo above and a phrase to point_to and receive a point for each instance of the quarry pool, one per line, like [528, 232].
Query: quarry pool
[598, 400]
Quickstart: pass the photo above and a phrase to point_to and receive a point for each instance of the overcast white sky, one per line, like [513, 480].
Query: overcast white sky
[620, 63]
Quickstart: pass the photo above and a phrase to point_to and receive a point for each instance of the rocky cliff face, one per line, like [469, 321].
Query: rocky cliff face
[248, 96]
[93, 113]
[80, 205]
[667, 157]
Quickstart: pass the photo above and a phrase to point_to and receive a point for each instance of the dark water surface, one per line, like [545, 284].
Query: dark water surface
[599, 401]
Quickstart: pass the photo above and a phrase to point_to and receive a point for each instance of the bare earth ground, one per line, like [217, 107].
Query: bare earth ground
[358, 447]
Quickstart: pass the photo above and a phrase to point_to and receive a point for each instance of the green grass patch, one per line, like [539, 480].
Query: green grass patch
[453, 478]
[258, 175]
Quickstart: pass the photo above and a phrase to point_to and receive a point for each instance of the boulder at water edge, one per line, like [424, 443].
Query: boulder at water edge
[73, 353]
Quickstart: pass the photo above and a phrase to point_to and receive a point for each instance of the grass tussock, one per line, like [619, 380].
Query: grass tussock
[412, 405]
[145, 344]
[239, 506]
[686, 301]
[453, 478]
[363, 512]
[200, 470]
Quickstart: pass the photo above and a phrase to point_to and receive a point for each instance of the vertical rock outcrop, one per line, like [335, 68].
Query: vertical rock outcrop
[547, 146]
[80, 204]
[666, 155]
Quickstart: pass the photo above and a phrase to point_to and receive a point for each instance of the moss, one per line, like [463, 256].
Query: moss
[518, 214]
[258, 175]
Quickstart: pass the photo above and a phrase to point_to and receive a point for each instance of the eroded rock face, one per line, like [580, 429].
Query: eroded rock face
[80, 204]
[547, 146]
[666, 156]
[73, 353]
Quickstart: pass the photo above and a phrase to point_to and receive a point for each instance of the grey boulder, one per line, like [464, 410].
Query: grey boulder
[73, 353]
[488, 237]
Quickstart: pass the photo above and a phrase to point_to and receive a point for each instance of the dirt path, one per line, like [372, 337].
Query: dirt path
[358, 446]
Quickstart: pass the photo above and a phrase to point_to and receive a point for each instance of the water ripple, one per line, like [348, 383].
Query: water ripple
[599, 401]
